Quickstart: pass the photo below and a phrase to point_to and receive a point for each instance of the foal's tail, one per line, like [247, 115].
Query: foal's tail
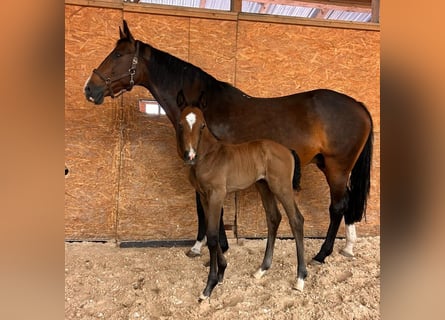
[360, 181]
[297, 172]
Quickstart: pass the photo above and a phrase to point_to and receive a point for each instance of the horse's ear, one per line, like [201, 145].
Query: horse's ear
[180, 100]
[202, 101]
[126, 32]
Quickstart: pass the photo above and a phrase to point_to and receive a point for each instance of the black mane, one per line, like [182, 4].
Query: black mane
[170, 71]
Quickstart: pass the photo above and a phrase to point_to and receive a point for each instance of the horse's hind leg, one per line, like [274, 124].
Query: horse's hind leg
[339, 200]
[273, 217]
[201, 238]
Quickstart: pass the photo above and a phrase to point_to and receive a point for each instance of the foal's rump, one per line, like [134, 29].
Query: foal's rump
[283, 164]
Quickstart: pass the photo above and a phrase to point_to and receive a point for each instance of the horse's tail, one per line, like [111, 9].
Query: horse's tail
[360, 181]
[297, 171]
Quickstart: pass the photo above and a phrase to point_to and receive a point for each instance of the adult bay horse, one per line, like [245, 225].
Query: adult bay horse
[328, 128]
[218, 168]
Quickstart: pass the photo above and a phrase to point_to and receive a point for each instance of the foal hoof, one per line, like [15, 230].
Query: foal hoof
[347, 253]
[259, 274]
[192, 254]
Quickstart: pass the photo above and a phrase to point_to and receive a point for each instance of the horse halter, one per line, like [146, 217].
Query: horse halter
[131, 72]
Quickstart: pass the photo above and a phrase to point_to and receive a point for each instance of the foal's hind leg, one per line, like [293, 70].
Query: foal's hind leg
[296, 222]
[273, 217]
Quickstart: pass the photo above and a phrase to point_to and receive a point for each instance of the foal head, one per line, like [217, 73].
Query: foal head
[190, 127]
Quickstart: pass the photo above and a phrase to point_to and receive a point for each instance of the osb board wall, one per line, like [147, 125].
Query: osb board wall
[156, 200]
[277, 59]
[139, 190]
[92, 143]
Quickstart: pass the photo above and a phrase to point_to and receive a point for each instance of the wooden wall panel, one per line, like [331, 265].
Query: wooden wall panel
[213, 47]
[280, 59]
[91, 132]
[156, 200]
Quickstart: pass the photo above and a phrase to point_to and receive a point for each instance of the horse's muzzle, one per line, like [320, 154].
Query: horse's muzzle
[94, 94]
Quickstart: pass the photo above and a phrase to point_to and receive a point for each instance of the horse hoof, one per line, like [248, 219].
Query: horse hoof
[299, 285]
[314, 262]
[202, 298]
[259, 274]
[192, 254]
[347, 253]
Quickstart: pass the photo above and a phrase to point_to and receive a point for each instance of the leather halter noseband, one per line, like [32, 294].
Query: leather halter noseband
[131, 72]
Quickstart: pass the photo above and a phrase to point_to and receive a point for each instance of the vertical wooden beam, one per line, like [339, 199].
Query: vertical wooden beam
[235, 5]
[264, 7]
[321, 14]
[375, 11]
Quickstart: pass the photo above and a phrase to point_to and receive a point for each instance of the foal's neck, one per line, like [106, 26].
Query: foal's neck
[207, 144]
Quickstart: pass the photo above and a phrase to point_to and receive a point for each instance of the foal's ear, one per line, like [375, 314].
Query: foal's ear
[202, 101]
[126, 33]
[180, 100]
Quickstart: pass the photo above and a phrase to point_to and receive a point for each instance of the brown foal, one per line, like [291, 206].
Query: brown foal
[218, 168]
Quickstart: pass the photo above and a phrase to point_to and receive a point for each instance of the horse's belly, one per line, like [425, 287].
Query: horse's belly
[240, 183]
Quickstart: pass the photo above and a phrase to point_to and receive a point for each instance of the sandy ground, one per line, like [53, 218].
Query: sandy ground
[103, 281]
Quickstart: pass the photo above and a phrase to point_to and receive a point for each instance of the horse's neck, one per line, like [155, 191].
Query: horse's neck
[164, 94]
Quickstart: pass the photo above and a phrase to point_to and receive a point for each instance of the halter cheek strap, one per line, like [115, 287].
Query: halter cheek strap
[131, 72]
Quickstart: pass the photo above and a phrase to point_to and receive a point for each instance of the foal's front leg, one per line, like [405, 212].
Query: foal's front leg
[218, 263]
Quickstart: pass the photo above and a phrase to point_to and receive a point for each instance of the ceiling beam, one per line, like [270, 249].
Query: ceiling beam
[345, 5]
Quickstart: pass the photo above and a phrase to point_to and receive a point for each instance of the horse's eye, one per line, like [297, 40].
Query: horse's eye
[203, 126]
[117, 54]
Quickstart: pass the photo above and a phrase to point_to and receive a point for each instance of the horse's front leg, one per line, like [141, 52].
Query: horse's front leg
[218, 263]
[201, 238]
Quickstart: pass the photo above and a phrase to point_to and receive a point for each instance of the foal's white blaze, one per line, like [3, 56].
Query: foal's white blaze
[191, 119]
[351, 238]
[192, 153]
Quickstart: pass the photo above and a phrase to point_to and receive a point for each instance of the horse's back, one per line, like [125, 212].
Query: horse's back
[312, 122]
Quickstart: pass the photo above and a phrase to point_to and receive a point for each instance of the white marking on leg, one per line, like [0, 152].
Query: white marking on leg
[260, 273]
[300, 284]
[198, 245]
[351, 238]
[191, 119]
[202, 297]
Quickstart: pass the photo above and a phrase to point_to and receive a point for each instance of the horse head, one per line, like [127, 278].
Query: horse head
[119, 71]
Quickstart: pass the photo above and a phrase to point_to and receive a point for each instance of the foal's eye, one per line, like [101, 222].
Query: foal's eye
[118, 54]
[203, 126]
